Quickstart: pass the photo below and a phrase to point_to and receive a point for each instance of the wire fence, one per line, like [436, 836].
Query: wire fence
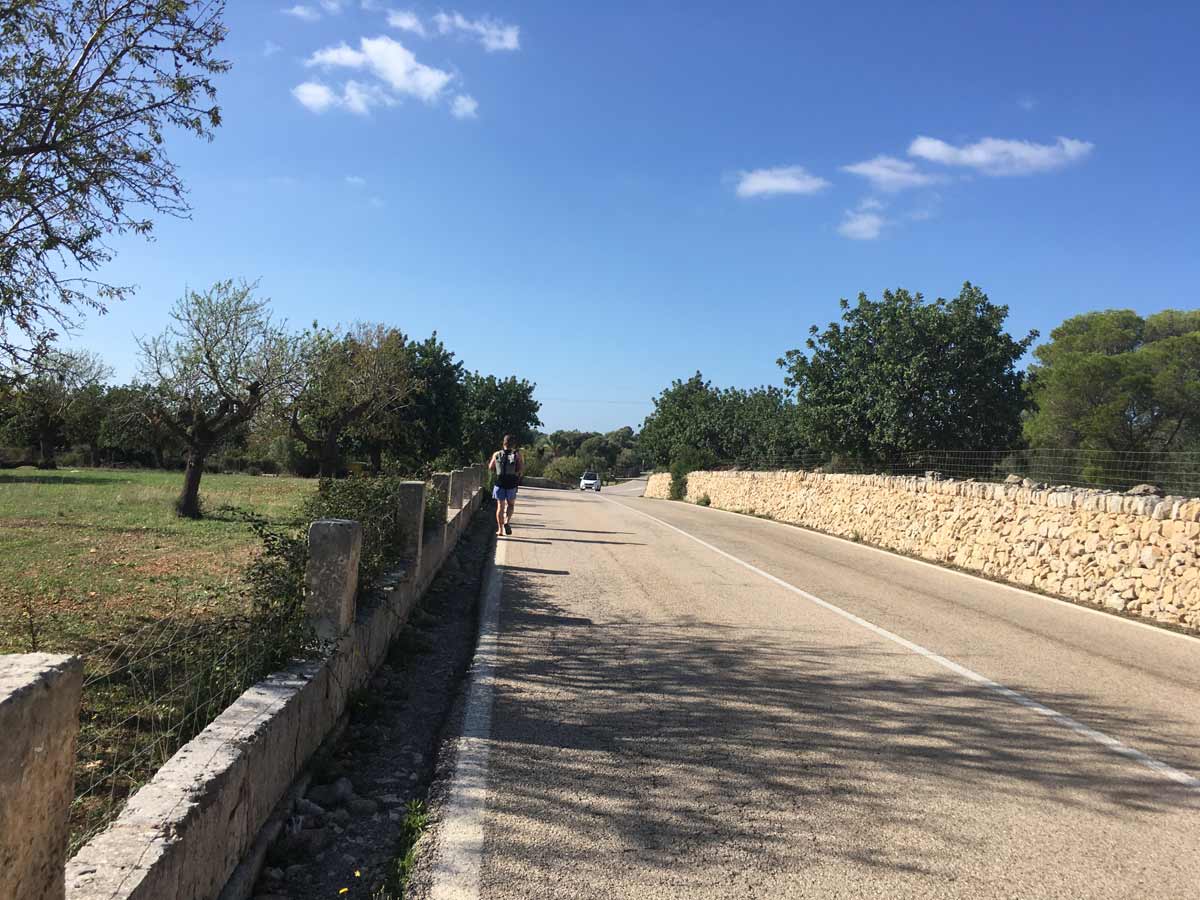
[1175, 473]
[152, 689]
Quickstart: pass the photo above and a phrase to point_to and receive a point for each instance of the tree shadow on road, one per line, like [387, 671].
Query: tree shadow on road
[688, 740]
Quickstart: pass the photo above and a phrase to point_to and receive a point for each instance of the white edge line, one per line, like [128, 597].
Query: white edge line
[1060, 602]
[1066, 721]
[456, 871]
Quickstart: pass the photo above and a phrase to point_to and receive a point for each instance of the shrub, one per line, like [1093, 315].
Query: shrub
[253, 470]
[684, 462]
[374, 502]
[704, 500]
[565, 469]
[435, 508]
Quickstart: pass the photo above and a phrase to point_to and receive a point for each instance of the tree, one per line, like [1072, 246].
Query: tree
[755, 425]
[43, 400]
[899, 375]
[211, 370]
[89, 90]
[347, 379]
[129, 435]
[494, 407]
[1114, 381]
[429, 422]
[85, 418]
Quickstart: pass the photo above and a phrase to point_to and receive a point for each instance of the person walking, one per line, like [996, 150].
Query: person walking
[508, 466]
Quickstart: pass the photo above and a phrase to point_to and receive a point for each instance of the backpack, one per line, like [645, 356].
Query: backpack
[506, 468]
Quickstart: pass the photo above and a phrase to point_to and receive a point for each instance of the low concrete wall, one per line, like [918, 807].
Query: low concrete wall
[182, 835]
[39, 720]
[1134, 554]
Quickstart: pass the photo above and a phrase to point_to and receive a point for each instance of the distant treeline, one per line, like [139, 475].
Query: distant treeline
[227, 388]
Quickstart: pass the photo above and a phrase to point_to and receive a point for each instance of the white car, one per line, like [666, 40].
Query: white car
[590, 482]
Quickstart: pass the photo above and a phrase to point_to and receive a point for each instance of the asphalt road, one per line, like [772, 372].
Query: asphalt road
[679, 702]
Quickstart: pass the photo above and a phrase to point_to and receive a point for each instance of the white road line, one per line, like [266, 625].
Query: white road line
[460, 840]
[1066, 721]
[947, 570]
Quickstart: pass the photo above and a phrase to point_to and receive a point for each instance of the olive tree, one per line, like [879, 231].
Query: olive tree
[90, 92]
[221, 358]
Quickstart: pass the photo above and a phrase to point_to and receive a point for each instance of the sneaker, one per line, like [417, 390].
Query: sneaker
[507, 528]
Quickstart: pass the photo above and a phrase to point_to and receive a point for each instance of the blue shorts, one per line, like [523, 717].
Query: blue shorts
[499, 493]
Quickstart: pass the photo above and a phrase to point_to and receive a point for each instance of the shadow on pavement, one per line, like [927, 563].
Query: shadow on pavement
[691, 741]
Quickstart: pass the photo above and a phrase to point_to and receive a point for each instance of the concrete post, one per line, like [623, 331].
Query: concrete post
[412, 519]
[457, 483]
[39, 721]
[331, 581]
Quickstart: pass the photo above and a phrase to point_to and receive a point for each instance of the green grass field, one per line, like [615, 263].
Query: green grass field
[83, 548]
[96, 562]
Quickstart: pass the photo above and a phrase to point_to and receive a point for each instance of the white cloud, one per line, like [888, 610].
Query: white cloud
[464, 107]
[376, 202]
[862, 224]
[886, 173]
[270, 48]
[1027, 103]
[389, 61]
[780, 180]
[315, 96]
[406, 20]
[993, 156]
[356, 181]
[492, 34]
[303, 13]
[333, 7]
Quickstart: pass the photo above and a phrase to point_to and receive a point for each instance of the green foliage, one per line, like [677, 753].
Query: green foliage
[45, 402]
[429, 423]
[374, 502]
[413, 825]
[493, 408]
[359, 377]
[729, 424]
[899, 374]
[686, 461]
[1113, 381]
[704, 500]
[94, 92]
[435, 509]
[565, 470]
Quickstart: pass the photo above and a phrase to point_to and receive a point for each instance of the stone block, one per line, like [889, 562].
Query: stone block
[39, 721]
[331, 581]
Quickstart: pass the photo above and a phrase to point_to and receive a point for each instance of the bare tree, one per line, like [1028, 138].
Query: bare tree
[212, 369]
[349, 380]
[88, 91]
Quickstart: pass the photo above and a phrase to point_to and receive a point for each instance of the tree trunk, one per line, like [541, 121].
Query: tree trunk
[329, 456]
[160, 461]
[188, 504]
[46, 447]
[376, 452]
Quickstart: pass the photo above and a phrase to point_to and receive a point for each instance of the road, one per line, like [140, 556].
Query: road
[671, 701]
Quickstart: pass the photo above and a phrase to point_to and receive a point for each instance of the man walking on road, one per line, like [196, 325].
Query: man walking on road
[508, 466]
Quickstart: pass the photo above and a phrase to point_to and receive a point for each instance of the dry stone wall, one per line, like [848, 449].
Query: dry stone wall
[1137, 554]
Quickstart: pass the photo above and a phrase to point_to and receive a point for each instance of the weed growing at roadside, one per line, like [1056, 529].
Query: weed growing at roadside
[416, 820]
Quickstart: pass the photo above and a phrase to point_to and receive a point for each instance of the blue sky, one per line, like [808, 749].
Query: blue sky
[603, 197]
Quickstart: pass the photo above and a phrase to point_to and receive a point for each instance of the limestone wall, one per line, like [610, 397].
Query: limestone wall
[1132, 553]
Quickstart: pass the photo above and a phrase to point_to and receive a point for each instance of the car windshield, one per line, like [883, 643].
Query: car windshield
[589, 476]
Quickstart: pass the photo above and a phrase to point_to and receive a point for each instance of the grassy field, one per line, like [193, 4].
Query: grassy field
[96, 562]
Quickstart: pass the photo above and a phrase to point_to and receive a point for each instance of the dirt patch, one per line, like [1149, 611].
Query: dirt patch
[350, 829]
